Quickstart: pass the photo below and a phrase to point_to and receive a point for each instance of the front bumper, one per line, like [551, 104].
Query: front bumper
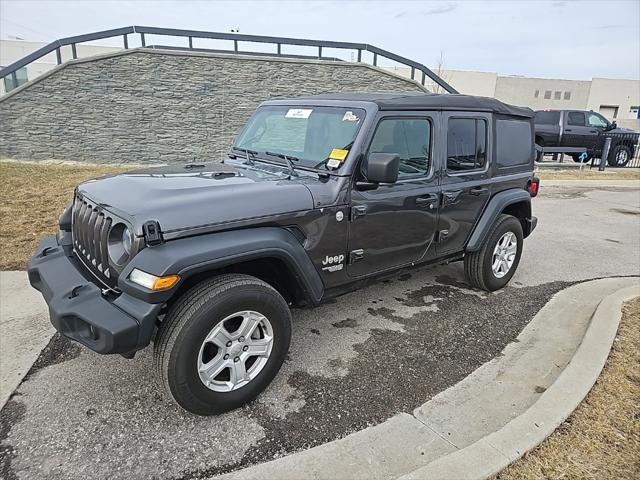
[79, 310]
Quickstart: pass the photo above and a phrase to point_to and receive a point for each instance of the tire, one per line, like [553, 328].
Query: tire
[619, 156]
[478, 266]
[229, 301]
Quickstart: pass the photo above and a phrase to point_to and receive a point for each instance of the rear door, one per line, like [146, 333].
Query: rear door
[394, 224]
[465, 178]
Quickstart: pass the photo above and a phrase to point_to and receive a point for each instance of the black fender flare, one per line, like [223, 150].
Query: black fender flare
[193, 255]
[492, 211]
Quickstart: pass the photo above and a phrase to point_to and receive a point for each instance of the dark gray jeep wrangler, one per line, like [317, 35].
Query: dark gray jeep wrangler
[317, 197]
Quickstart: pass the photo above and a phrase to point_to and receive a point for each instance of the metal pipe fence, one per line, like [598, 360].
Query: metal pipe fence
[417, 69]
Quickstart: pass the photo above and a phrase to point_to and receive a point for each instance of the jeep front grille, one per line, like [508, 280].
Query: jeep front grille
[90, 231]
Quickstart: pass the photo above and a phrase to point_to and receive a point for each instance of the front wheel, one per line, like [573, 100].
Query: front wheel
[222, 343]
[619, 156]
[491, 267]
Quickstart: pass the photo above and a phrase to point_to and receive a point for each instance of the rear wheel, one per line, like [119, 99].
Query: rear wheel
[491, 267]
[222, 343]
[619, 156]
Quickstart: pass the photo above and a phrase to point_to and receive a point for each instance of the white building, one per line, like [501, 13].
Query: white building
[615, 99]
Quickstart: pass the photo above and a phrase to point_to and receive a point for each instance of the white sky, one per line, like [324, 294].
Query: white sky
[554, 39]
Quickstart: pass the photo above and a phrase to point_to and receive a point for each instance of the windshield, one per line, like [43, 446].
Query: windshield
[315, 137]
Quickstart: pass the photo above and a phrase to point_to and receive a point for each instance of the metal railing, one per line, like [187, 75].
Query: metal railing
[190, 35]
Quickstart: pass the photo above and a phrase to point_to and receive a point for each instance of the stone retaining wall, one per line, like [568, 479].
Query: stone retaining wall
[150, 106]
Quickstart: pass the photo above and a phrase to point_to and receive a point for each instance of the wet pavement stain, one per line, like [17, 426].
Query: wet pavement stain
[346, 323]
[396, 371]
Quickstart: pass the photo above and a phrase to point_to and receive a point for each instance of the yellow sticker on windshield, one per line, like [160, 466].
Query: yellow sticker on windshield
[338, 154]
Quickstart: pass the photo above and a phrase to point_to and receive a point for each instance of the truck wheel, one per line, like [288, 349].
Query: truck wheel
[491, 267]
[222, 343]
[619, 156]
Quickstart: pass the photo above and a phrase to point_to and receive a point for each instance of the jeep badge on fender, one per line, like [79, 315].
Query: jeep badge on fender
[316, 194]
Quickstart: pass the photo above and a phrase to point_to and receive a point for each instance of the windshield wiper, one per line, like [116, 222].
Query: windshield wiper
[250, 155]
[288, 159]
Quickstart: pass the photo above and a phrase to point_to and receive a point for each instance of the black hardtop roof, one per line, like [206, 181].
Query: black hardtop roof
[429, 101]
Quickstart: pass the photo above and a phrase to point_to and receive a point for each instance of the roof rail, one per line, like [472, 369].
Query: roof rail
[56, 45]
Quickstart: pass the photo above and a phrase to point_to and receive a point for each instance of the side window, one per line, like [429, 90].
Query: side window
[576, 118]
[596, 120]
[408, 137]
[466, 144]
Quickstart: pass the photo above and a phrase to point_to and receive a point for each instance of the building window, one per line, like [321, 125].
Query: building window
[537, 94]
[557, 95]
[547, 95]
[567, 95]
[11, 82]
[466, 144]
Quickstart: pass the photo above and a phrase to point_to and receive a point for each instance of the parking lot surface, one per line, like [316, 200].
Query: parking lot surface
[354, 362]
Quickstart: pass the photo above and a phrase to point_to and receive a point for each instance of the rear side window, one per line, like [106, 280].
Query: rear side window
[547, 118]
[514, 143]
[466, 144]
[575, 118]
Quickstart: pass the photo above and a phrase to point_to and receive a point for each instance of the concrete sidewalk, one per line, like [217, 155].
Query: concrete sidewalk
[24, 322]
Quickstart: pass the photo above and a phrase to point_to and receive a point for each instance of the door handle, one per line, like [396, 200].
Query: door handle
[478, 190]
[567, 129]
[429, 202]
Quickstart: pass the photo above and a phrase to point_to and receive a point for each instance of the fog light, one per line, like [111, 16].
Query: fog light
[152, 282]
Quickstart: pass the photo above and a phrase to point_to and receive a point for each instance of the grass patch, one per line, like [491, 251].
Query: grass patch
[601, 439]
[31, 199]
[576, 174]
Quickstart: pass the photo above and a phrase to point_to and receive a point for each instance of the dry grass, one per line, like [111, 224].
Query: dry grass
[575, 174]
[32, 197]
[601, 439]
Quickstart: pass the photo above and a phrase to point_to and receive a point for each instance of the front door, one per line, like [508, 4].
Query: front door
[576, 131]
[394, 225]
[465, 186]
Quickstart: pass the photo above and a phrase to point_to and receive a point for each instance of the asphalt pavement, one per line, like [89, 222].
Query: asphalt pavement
[353, 363]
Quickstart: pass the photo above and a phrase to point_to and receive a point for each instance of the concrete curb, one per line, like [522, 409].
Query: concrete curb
[493, 453]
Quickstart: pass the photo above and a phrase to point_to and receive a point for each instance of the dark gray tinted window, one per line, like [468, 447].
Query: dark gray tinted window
[514, 145]
[466, 144]
[575, 118]
[408, 137]
[547, 118]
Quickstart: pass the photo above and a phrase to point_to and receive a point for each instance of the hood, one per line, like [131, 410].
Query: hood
[621, 130]
[181, 197]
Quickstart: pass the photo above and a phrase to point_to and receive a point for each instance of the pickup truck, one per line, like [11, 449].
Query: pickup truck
[579, 128]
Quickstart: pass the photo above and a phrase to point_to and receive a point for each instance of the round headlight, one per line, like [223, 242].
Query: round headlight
[119, 244]
[127, 240]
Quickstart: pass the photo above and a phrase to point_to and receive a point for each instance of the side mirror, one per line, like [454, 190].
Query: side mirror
[382, 167]
[613, 126]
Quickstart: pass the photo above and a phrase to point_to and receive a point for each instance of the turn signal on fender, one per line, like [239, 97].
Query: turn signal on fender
[152, 282]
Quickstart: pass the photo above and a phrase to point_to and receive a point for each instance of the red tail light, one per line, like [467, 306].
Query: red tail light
[534, 186]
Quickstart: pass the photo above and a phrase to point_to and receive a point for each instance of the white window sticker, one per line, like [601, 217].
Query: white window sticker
[350, 117]
[299, 113]
[333, 163]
